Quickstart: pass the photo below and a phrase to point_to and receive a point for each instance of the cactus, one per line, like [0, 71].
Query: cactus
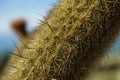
[69, 43]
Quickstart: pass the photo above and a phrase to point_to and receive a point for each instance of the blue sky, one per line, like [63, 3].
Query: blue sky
[31, 11]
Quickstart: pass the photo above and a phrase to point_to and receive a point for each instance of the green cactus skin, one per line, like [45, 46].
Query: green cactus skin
[69, 44]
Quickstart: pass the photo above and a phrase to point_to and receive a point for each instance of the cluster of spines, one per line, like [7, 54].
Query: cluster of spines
[66, 38]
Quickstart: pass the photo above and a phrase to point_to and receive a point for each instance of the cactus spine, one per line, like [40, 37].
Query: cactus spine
[70, 42]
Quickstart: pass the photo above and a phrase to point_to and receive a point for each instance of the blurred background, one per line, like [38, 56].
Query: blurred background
[31, 11]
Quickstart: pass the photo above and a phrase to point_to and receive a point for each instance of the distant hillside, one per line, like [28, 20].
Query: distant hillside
[7, 42]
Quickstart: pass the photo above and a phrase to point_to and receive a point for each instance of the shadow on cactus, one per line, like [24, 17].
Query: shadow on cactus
[72, 39]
